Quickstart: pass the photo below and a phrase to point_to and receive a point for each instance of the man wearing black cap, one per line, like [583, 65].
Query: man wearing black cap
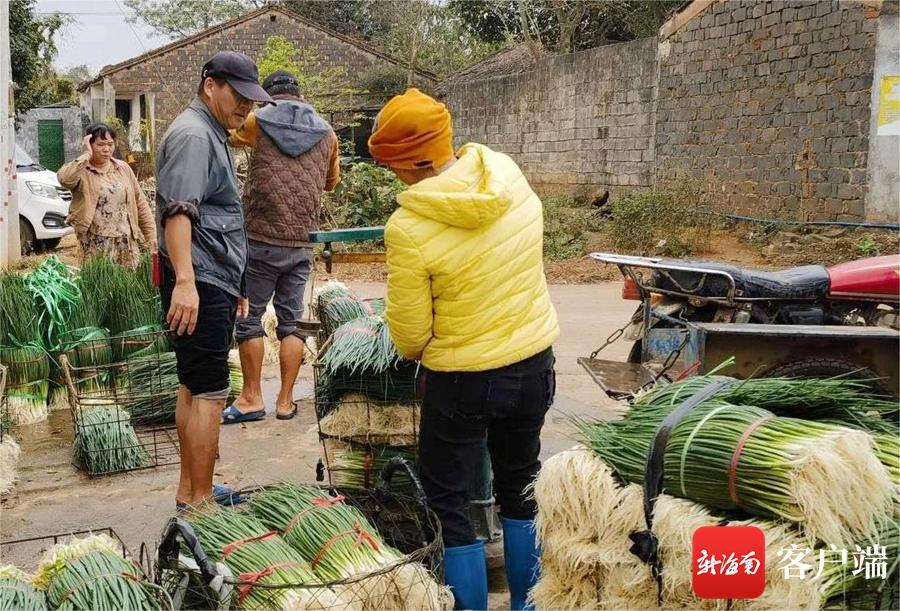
[203, 254]
[295, 159]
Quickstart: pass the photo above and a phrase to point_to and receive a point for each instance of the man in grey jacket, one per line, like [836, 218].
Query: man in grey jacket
[203, 251]
[295, 159]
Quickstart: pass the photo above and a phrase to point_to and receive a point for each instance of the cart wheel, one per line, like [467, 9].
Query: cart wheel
[817, 367]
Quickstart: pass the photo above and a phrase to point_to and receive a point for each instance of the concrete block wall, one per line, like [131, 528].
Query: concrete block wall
[767, 104]
[577, 122]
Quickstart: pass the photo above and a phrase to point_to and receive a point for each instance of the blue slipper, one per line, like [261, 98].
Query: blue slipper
[226, 495]
[232, 415]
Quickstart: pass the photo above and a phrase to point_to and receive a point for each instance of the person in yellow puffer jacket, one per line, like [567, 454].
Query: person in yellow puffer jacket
[467, 296]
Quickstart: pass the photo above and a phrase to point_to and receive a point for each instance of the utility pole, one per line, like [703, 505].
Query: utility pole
[10, 249]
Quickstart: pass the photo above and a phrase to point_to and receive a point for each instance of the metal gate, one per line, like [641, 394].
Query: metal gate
[51, 152]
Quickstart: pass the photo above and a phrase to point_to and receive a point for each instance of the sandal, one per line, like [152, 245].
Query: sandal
[232, 415]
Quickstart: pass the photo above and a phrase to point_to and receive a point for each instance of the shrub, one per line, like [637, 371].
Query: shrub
[565, 228]
[365, 196]
[672, 222]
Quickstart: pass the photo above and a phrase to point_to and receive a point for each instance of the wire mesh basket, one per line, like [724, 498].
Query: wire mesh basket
[195, 579]
[119, 395]
[364, 421]
[26, 553]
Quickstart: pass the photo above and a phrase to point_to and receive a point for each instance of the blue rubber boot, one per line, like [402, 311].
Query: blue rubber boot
[522, 558]
[465, 571]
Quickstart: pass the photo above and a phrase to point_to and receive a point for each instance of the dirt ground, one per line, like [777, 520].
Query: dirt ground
[51, 496]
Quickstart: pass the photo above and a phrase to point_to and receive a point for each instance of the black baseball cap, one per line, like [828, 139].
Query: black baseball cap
[240, 72]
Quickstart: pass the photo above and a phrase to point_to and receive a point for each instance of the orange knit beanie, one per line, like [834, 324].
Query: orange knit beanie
[412, 131]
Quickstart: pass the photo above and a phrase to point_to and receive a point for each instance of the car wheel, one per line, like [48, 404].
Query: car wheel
[26, 237]
[51, 244]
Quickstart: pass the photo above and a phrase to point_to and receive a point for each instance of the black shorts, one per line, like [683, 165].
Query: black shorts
[202, 357]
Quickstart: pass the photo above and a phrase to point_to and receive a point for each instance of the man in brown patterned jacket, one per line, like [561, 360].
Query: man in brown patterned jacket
[295, 159]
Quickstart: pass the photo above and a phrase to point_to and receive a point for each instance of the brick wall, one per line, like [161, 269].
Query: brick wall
[581, 121]
[174, 75]
[767, 103]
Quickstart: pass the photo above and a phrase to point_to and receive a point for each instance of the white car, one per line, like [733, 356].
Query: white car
[43, 205]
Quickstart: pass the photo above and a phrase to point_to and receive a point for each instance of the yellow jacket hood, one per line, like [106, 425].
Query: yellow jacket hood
[468, 194]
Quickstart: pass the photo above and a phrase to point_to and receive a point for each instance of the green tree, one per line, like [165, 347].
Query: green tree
[563, 26]
[425, 35]
[326, 89]
[178, 18]
[32, 53]
[361, 18]
[77, 74]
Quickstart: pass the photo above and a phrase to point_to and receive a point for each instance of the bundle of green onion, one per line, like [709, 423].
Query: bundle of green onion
[106, 442]
[840, 399]
[152, 382]
[18, 316]
[27, 384]
[138, 341]
[87, 347]
[359, 466]
[397, 385]
[90, 573]
[335, 305]
[739, 456]
[56, 295]
[335, 537]
[361, 346]
[17, 592]
[342, 546]
[261, 560]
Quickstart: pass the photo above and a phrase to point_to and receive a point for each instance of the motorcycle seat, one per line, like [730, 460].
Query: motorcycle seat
[807, 283]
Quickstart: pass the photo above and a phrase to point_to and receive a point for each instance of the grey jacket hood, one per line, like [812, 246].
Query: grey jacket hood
[294, 126]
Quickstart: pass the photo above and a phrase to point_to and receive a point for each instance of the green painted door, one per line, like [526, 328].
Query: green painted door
[51, 153]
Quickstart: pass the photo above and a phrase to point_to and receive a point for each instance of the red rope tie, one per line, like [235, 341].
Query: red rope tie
[736, 457]
[362, 536]
[245, 588]
[688, 372]
[319, 501]
[235, 545]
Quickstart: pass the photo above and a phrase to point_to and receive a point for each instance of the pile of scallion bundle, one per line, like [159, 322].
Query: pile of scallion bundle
[90, 573]
[17, 592]
[106, 442]
[340, 543]
[261, 559]
[744, 457]
[586, 516]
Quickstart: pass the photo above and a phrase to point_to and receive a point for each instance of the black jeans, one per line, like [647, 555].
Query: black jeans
[459, 409]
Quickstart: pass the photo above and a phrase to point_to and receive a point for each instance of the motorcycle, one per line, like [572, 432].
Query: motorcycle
[674, 293]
